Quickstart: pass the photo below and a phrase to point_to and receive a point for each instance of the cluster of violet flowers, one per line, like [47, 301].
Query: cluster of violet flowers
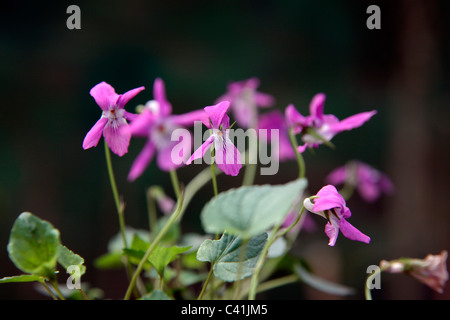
[156, 123]
[250, 109]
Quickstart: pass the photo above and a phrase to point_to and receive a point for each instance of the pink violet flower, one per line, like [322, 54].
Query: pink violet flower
[156, 123]
[245, 100]
[227, 156]
[114, 117]
[275, 120]
[329, 204]
[431, 271]
[318, 128]
[369, 182]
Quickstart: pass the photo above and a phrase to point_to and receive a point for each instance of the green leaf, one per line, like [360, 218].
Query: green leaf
[250, 210]
[68, 259]
[159, 258]
[23, 278]
[156, 295]
[232, 258]
[322, 284]
[109, 261]
[34, 245]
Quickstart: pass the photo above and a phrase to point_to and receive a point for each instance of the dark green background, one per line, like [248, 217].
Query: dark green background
[296, 48]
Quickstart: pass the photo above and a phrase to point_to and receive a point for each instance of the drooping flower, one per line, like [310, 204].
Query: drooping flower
[329, 204]
[318, 128]
[156, 123]
[431, 271]
[274, 120]
[245, 100]
[227, 156]
[114, 117]
[368, 181]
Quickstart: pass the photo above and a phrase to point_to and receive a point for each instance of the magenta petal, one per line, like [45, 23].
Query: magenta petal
[332, 231]
[227, 156]
[142, 161]
[127, 96]
[327, 198]
[200, 152]
[264, 100]
[274, 120]
[294, 118]
[159, 94]
[118, 140]
[164, 158]
[316, 106]
[351, 232]
[130, 116]
[301, 148]
[352, 122]
[188, 119]
[140, 126]
[105, 95]
[217, 112]
[93, 136]
[337, 176]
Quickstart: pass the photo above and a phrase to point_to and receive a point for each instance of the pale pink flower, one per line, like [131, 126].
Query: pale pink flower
[245, 100]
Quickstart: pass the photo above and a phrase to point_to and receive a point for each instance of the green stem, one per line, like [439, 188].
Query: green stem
[152, 215]
[298, 156]
[274, 283]
[50, 292]
[119, 207]
[85, 297]
[260, 263]
[150, 249]
[175, 183]
[210, 274]
[58, 292]
[214, 180]
[367, 293]
[251, 167]
[275, 235]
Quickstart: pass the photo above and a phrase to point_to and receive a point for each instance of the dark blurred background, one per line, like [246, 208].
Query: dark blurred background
[296, 48]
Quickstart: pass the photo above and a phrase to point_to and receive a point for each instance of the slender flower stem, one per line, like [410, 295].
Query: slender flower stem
[175, 183]
[275, 235]
[210, 275]
[155, 242]
[50, 292]
[119, 207]
[260, 263]
[367, 293]
[274, 283]
[214, 180]
[298, 156]
[55, 285]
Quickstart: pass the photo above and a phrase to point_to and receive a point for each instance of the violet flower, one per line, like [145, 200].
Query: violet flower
[431, 271]
[245, 100]
[368, 181]
[318, 128]
[156, 123]
[227, 156]
[114, 117]
[276, 120]
[329, 204]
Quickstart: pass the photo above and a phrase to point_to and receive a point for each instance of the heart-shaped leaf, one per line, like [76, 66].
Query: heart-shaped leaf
[232, 258]
[34, 245]
[250, 210]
